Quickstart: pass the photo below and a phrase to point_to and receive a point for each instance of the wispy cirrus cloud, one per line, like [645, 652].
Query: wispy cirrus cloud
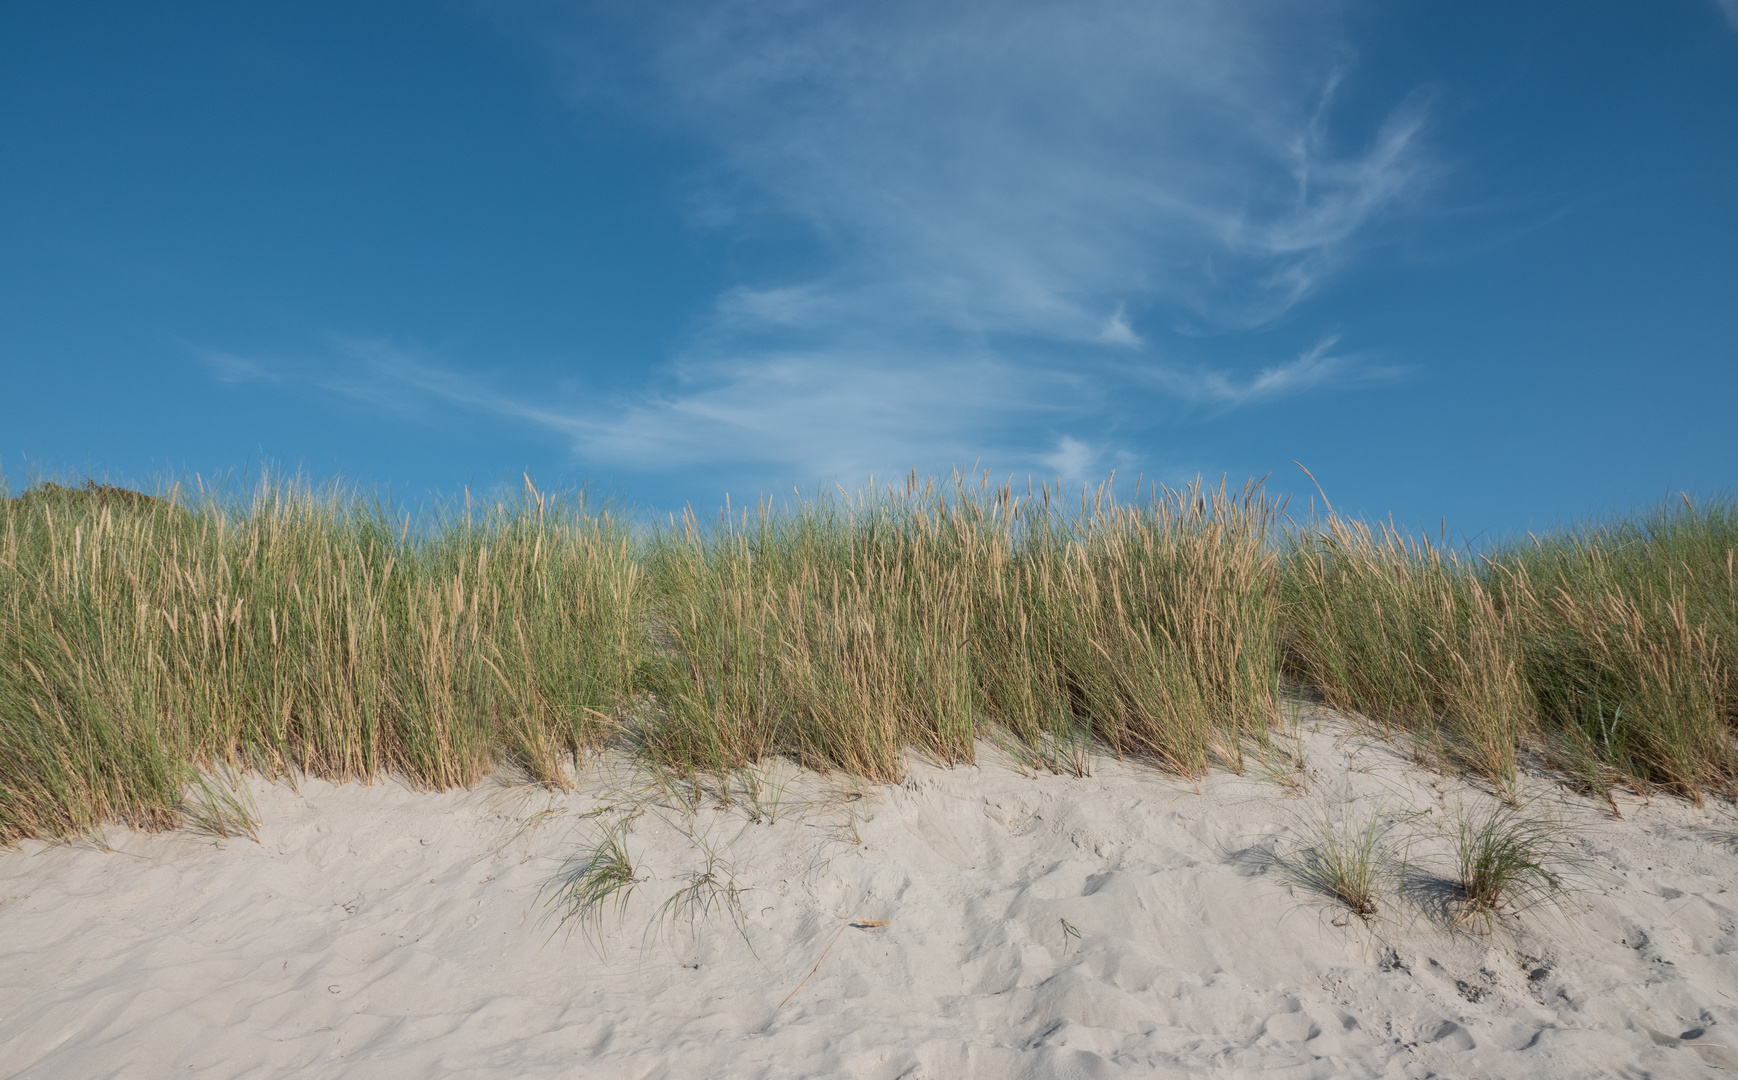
[830, 413]
[801, 416]
[1018, 167]
[1312, 369]
[1017, 222]
[1010, 199]
[227, 367]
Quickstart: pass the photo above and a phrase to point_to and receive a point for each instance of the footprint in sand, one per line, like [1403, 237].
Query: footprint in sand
[1448, 1035]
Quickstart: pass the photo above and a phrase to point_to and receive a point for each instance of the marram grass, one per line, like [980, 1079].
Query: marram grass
[844, 633]
[140, 644]
[150, 645]
[1611, 649]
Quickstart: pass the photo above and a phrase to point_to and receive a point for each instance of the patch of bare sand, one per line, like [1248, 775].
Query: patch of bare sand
[972, 922]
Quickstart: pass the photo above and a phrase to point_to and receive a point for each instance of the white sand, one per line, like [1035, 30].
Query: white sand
[378, 932]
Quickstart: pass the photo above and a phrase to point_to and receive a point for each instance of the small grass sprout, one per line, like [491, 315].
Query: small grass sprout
[593, 879]
[709, 890]
[1345, 858]
[220, 806]
[1506, 861]
[1069, 930]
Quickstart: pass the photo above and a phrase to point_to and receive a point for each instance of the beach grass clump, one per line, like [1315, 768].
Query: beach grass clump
[593, 880]
[1151, 624]
[142, 642]
[1631, 631]
[1612, 647]
[789, 634]
[1413, 638]
[1507, 861]
[1345, 858]
[842, 633]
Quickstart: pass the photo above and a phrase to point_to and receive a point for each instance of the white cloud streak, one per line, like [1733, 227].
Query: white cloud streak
[831, 413]
[1311, 370]
[228, 368]
[1012, 167]
[1020, 208]
[995, 181]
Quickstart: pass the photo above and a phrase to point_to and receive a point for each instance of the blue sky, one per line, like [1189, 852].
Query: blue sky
[1466, 261]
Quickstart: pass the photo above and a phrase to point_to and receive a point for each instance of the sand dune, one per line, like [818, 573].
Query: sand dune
[972, 922]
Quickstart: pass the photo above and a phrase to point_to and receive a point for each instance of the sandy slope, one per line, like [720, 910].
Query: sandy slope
[1124, 924]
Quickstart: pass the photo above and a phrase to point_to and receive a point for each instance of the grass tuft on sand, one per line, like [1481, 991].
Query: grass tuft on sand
[151, 643]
